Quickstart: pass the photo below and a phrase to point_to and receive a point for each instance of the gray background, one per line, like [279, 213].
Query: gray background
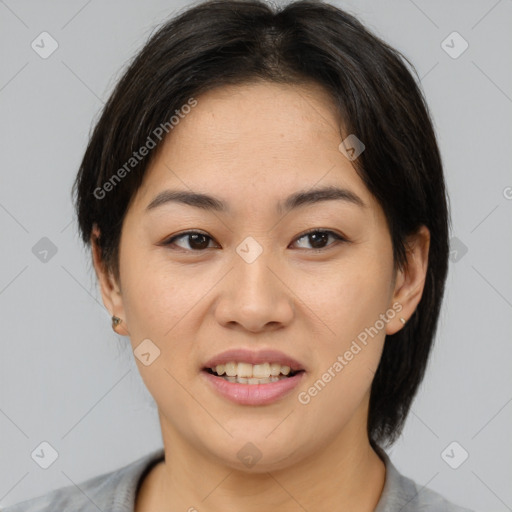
[67, 379]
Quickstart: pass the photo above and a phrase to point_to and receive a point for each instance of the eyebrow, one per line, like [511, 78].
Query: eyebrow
[296, 200]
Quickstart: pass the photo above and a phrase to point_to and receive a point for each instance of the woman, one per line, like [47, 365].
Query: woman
[265, 203]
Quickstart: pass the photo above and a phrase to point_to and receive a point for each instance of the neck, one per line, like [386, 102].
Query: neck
[347, 474]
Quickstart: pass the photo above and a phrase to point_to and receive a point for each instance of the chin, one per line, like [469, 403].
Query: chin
[257, 454]
[251, 460]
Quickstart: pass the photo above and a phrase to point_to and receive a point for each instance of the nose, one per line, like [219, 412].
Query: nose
[254, 297]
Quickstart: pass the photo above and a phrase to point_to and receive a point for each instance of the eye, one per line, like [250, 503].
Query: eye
[318, 238]
[196, 240]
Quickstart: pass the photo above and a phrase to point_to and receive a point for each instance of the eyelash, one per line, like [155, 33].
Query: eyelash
[338, 238]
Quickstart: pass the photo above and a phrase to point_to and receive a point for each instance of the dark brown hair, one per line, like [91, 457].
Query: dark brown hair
[222, 42]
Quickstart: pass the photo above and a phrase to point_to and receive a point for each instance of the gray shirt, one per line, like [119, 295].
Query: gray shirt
[116, 492]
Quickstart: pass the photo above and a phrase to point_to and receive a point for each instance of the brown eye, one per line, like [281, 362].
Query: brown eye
[196, 241]
[319, 238]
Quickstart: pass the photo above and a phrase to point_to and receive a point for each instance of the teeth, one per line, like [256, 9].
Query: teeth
[252, 380]
[275, 369]
[231, 369]
[261, 371]
[252, 373]
[244, 370]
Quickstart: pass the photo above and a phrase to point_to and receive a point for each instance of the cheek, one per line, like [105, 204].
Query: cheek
[155, 297]
[350, 306]
[346, 299]
[161, 304]
[343, 370]
[158, 307]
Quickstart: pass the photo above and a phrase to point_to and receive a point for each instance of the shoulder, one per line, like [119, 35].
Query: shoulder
[402, 493]
[114, 491]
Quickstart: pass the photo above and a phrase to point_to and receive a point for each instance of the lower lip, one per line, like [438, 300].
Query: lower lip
[253, 394]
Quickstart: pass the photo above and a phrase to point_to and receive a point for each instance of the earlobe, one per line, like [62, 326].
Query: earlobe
[110, 291]
[398, 321]
[118, 326]
[410, 281]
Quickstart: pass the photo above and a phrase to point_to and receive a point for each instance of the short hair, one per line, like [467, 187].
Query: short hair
[234, 42]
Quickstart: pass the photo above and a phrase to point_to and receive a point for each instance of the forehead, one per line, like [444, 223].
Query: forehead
[277, 117]
[255, 142]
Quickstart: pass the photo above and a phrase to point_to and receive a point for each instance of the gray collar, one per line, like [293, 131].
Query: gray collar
[116, 492]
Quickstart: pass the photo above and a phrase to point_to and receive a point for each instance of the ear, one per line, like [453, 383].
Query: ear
[110, 289]
[410, 281]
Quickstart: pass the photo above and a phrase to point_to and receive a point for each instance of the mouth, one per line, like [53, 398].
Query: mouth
[247, 377]
[252, 374]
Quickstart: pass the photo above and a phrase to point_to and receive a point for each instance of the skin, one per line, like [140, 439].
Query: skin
[251, 146]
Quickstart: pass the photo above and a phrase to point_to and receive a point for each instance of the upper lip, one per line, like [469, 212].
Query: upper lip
[242, 355]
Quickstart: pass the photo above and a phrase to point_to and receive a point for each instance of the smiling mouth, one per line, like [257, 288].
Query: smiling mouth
[246, 373]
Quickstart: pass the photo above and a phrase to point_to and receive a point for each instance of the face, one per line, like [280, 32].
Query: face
[305, 288]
